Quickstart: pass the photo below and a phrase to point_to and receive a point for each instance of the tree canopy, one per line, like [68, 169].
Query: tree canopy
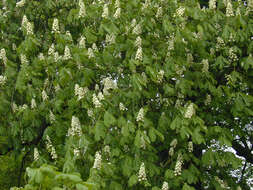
[126, 94]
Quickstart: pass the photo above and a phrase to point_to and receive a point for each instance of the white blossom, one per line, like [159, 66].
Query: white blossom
[55, 27]
[160, 76]
[229, 9]
[90, 113]
[138, 41]
[24, 21]
[50, 148]
[20, 3]
[139, 55]
[165, 186]
[190, 111]
[82, 42]
[3, 56]
[67, 54]
[173, 143]
[98, 161]
[75, 129]
[159, 12]
[51, 117]
[117, 13]
[33, 103]
[51, 50]
[14, 106]
[100, 96]
[90, 53]
[110, 39]
[220, 43]
[107, 150]
[96, 102]
[29, 29]
[44, 95]
[142, 173]
[143, 143]
[137, 29]
[36, 154]
[82, 11]
[180, 12]
[212, 4]
[2, 79]
[41, 57]
[80, 92]
[140, 116]
[178, 167]
[117, 4]
[190, 146]
[23, 59]
[122, 107]
[205, 65]
[105, 13]
[232, 56]
[171, 151]
[108, 84]
[76, 152]
[133, 23]
[208, 99]
[94, 47]
[56, 56]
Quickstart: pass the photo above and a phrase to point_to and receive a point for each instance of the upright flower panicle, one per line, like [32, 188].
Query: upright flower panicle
[190, 146]
[36, 154]
[51, 117]
[3, 56]
[117, 13]
[96, 101]
[178, 167]
[2, 79]
[55, 27]
[229, 9]
[165, 186]
[105, 13]
[20, 3]
[205, 65]
[51, 49]
[90, 53]
[140, 116]
[82, 42]
[142, 173]
[139, 55]
[67, 54]
[23, 59]
[33, 103]
[190, 111]
[75, 129]
[98, 161]
[44, 95]
[51, 148]
[212, 4]
[82, 11]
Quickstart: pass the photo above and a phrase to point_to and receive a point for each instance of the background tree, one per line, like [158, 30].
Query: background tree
[126, 94]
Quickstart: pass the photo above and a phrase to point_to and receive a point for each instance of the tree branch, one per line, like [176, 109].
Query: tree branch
[243, 151]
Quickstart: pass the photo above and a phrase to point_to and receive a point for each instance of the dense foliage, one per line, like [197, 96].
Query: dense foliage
[126, 94]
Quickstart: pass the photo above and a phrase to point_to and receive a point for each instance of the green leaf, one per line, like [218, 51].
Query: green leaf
[109, 119]
[132, 180]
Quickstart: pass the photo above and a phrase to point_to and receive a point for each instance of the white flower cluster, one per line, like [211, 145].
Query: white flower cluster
[33, 103]
[96, 101]
[220, 43]
[90, 113]
[109, 84]
[139, 55]
[140, 116]
[51, 148]
[105, 13]
[82, 42]
[160, 76]
[2, 79]
[205, 65]
[98, 161]
[23, 59]
[178, 167]
[44, 95]
[107, 150]
[173, 143]
[3, 56]
[76, 152]
[142, 173]
[20, 3]
[165, 186]
[190, 146]
[82, 11]
[51, 117]
[208, 99]
[90, 53]
[137, 29]
[143, 143]
[159, 12]
[36, 154]
[80, 92]
[229, 9]
[179, 12]
[138, 42]
[110, 39]
[51, 49]
[67, 54]
[94, 47]
[55, 27]
[75, 129]
[27, 26]
[190, 111]
[100, 96]
[117, 13]
[146, 4]
[69, 35]
[232, 56]
[122, 107]
[41, 57]
[212, 4]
